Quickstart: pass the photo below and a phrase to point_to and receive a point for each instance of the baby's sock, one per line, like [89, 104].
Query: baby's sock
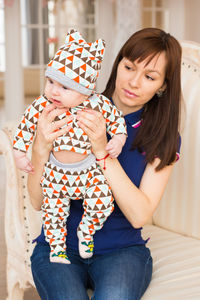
[86, 245]
[60, 257]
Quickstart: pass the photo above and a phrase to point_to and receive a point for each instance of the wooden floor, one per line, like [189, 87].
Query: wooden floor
[29, 294]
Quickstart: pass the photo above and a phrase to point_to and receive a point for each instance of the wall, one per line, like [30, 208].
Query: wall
[117, 20]
[105, 29]
[176, 18]
[192, 20]
[184, 20]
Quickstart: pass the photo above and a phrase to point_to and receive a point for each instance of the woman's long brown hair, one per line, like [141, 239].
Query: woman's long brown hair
[158, 134]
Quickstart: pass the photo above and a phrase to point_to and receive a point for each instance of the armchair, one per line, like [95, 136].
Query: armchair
[175, 228]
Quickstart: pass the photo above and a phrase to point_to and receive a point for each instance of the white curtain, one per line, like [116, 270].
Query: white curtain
[127, 21]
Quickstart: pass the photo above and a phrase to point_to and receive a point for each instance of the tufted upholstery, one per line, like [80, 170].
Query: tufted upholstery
[175, 231]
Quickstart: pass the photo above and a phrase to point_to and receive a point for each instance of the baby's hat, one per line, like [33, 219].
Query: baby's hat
[77, 63]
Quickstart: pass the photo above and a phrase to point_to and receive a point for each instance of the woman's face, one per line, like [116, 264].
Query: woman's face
[137, 83]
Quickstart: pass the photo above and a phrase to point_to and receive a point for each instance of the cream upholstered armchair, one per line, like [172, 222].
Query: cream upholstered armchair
[175, 228]
[22, 222]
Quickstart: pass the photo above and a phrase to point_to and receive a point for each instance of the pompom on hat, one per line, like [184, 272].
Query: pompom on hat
[77, 63]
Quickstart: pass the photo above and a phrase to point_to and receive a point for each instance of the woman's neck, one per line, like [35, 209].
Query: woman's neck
[123, 107]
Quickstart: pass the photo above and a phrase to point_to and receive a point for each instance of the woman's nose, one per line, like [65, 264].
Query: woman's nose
[135, 80]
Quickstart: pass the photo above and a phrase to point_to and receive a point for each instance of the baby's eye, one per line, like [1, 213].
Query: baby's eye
[50, 81]
[64, 87]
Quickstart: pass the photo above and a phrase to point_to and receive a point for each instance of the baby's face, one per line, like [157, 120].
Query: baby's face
[61, 96]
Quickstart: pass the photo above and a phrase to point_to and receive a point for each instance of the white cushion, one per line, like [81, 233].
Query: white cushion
[176, 273]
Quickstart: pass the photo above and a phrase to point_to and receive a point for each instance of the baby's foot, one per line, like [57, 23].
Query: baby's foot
[86, 246]
[60, 257]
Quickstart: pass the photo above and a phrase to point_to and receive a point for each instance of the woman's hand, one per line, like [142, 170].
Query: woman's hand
[94, 125]
[48, 129]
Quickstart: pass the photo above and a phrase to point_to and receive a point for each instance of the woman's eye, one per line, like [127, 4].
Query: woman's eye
[149, 77]
[127, 67]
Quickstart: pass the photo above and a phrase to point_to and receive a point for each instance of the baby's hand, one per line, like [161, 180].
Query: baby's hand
[115, 145]
[23, 162]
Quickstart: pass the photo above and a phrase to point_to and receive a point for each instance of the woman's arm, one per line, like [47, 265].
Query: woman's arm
[137, 204]
[47, 132]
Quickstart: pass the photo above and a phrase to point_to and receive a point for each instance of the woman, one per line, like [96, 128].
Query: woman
[145, 85]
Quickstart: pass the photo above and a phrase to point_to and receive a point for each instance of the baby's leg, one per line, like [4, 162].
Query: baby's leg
[98, 205]
[55, 213]
[55, 210]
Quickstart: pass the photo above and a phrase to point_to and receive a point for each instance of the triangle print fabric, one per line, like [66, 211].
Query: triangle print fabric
[59, 187]
[75, 140]
[77, 63]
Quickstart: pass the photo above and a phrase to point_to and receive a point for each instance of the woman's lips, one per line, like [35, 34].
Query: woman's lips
[130, 94]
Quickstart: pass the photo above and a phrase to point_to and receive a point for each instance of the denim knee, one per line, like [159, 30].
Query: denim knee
[123, 274]
[55, 280]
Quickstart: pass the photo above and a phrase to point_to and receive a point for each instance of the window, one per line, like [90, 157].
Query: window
[45, 24]
[155, 14]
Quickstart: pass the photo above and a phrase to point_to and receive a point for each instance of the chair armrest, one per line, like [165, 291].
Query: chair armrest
[22, 222]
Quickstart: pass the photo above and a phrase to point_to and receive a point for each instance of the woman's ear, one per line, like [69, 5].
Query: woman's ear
[164, 86]
[161, 90]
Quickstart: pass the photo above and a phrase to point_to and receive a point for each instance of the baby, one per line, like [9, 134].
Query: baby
[71, 77]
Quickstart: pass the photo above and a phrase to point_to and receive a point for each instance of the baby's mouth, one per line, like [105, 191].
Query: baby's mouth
[56, 101]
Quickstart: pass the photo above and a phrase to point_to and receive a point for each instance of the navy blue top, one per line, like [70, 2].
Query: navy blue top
[117, 232]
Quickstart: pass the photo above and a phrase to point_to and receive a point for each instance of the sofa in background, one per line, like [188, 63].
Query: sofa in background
[175, 228]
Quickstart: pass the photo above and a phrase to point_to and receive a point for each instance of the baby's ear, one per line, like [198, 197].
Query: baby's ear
[100, 47]
[73, 36]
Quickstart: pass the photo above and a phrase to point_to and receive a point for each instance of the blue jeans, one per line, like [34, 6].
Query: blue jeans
[123, 274]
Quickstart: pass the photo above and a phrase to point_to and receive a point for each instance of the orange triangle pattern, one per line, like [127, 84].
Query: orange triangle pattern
[75, 140]
[98, 202]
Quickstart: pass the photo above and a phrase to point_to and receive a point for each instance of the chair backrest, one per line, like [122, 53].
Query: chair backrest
[179, 209]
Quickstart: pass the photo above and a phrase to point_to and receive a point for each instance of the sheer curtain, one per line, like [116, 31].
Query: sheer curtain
[127, 21]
